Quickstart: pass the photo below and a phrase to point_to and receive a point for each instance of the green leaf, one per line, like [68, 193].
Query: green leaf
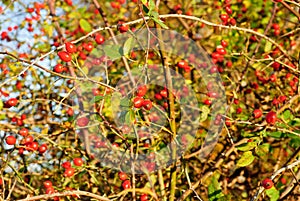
[263, 150]
[247, 146]
[97, 99]
[125, 102]
[287, 115]
[112, 51]
[1, 104]
[246, 159]
[49, 30]
[146, 10]
[204, 113]
[151, 6]
[214, 189]
[85, 25]
[273, 194]
[43, 47]
[276, 134]
[85, 70]
[268, 46]
[129, 117]
[2, 116]
[155, 17]
[128, 46]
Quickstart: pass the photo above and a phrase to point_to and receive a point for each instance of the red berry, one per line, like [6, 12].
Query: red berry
[275, 26]
[115, 5]
[10, 140]
[273, 78]
[47, 184]
[50, 190]
[126, 184]
[271, 117]
[66, 164]
[27, 139]
[69, 2]
[267, 183]
[182, 64]
[123, 28]
[12, 102]
[82, 56]
[138, 102]
[239, 110]
[4, 35]
[78, 161]
[70, 47]
[276, 32]
[122, 176]
[23, 116]
[147, 104]
[224, 17]
[23, 132]
[232, 21]
[96, 92]
[228, 10]
[65, 56]
[212, 94]
[257, 113]
[282, 98]
[276, 65]
[43, 148]
[88, 46]
[221, 50]
[144, 197]
[141, 91]
[224, 43]
[229, 64]
[70, 111]
[82, 121]
[157, 96]
[99, 39]
[283, 180]
[121, 1]
[58, 68]
[164, 93]
[69, 172]
[207, 102]
[32, 146]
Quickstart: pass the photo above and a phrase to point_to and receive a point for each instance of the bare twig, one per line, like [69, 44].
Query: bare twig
[261, 189]
[64, 194]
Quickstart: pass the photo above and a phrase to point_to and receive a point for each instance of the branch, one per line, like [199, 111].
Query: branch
[63, 194]
[52, 72]
[288, 167]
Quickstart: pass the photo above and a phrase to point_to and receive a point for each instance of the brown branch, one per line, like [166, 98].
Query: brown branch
[288, 167]
[52, 72]
[291, 9]
[111, 33]
[63, 194]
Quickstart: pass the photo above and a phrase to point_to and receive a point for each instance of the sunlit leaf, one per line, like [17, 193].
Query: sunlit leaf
[85, 25]
[246, 159]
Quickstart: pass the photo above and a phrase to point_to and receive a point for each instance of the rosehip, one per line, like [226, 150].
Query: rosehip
[10, 140]
[138, 102]
[65, 56]
[267, 183]
[271, 117]
[70, 47]
[82, 121]
[126, 184]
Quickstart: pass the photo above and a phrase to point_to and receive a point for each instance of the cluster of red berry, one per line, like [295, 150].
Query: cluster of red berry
[139, 101]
